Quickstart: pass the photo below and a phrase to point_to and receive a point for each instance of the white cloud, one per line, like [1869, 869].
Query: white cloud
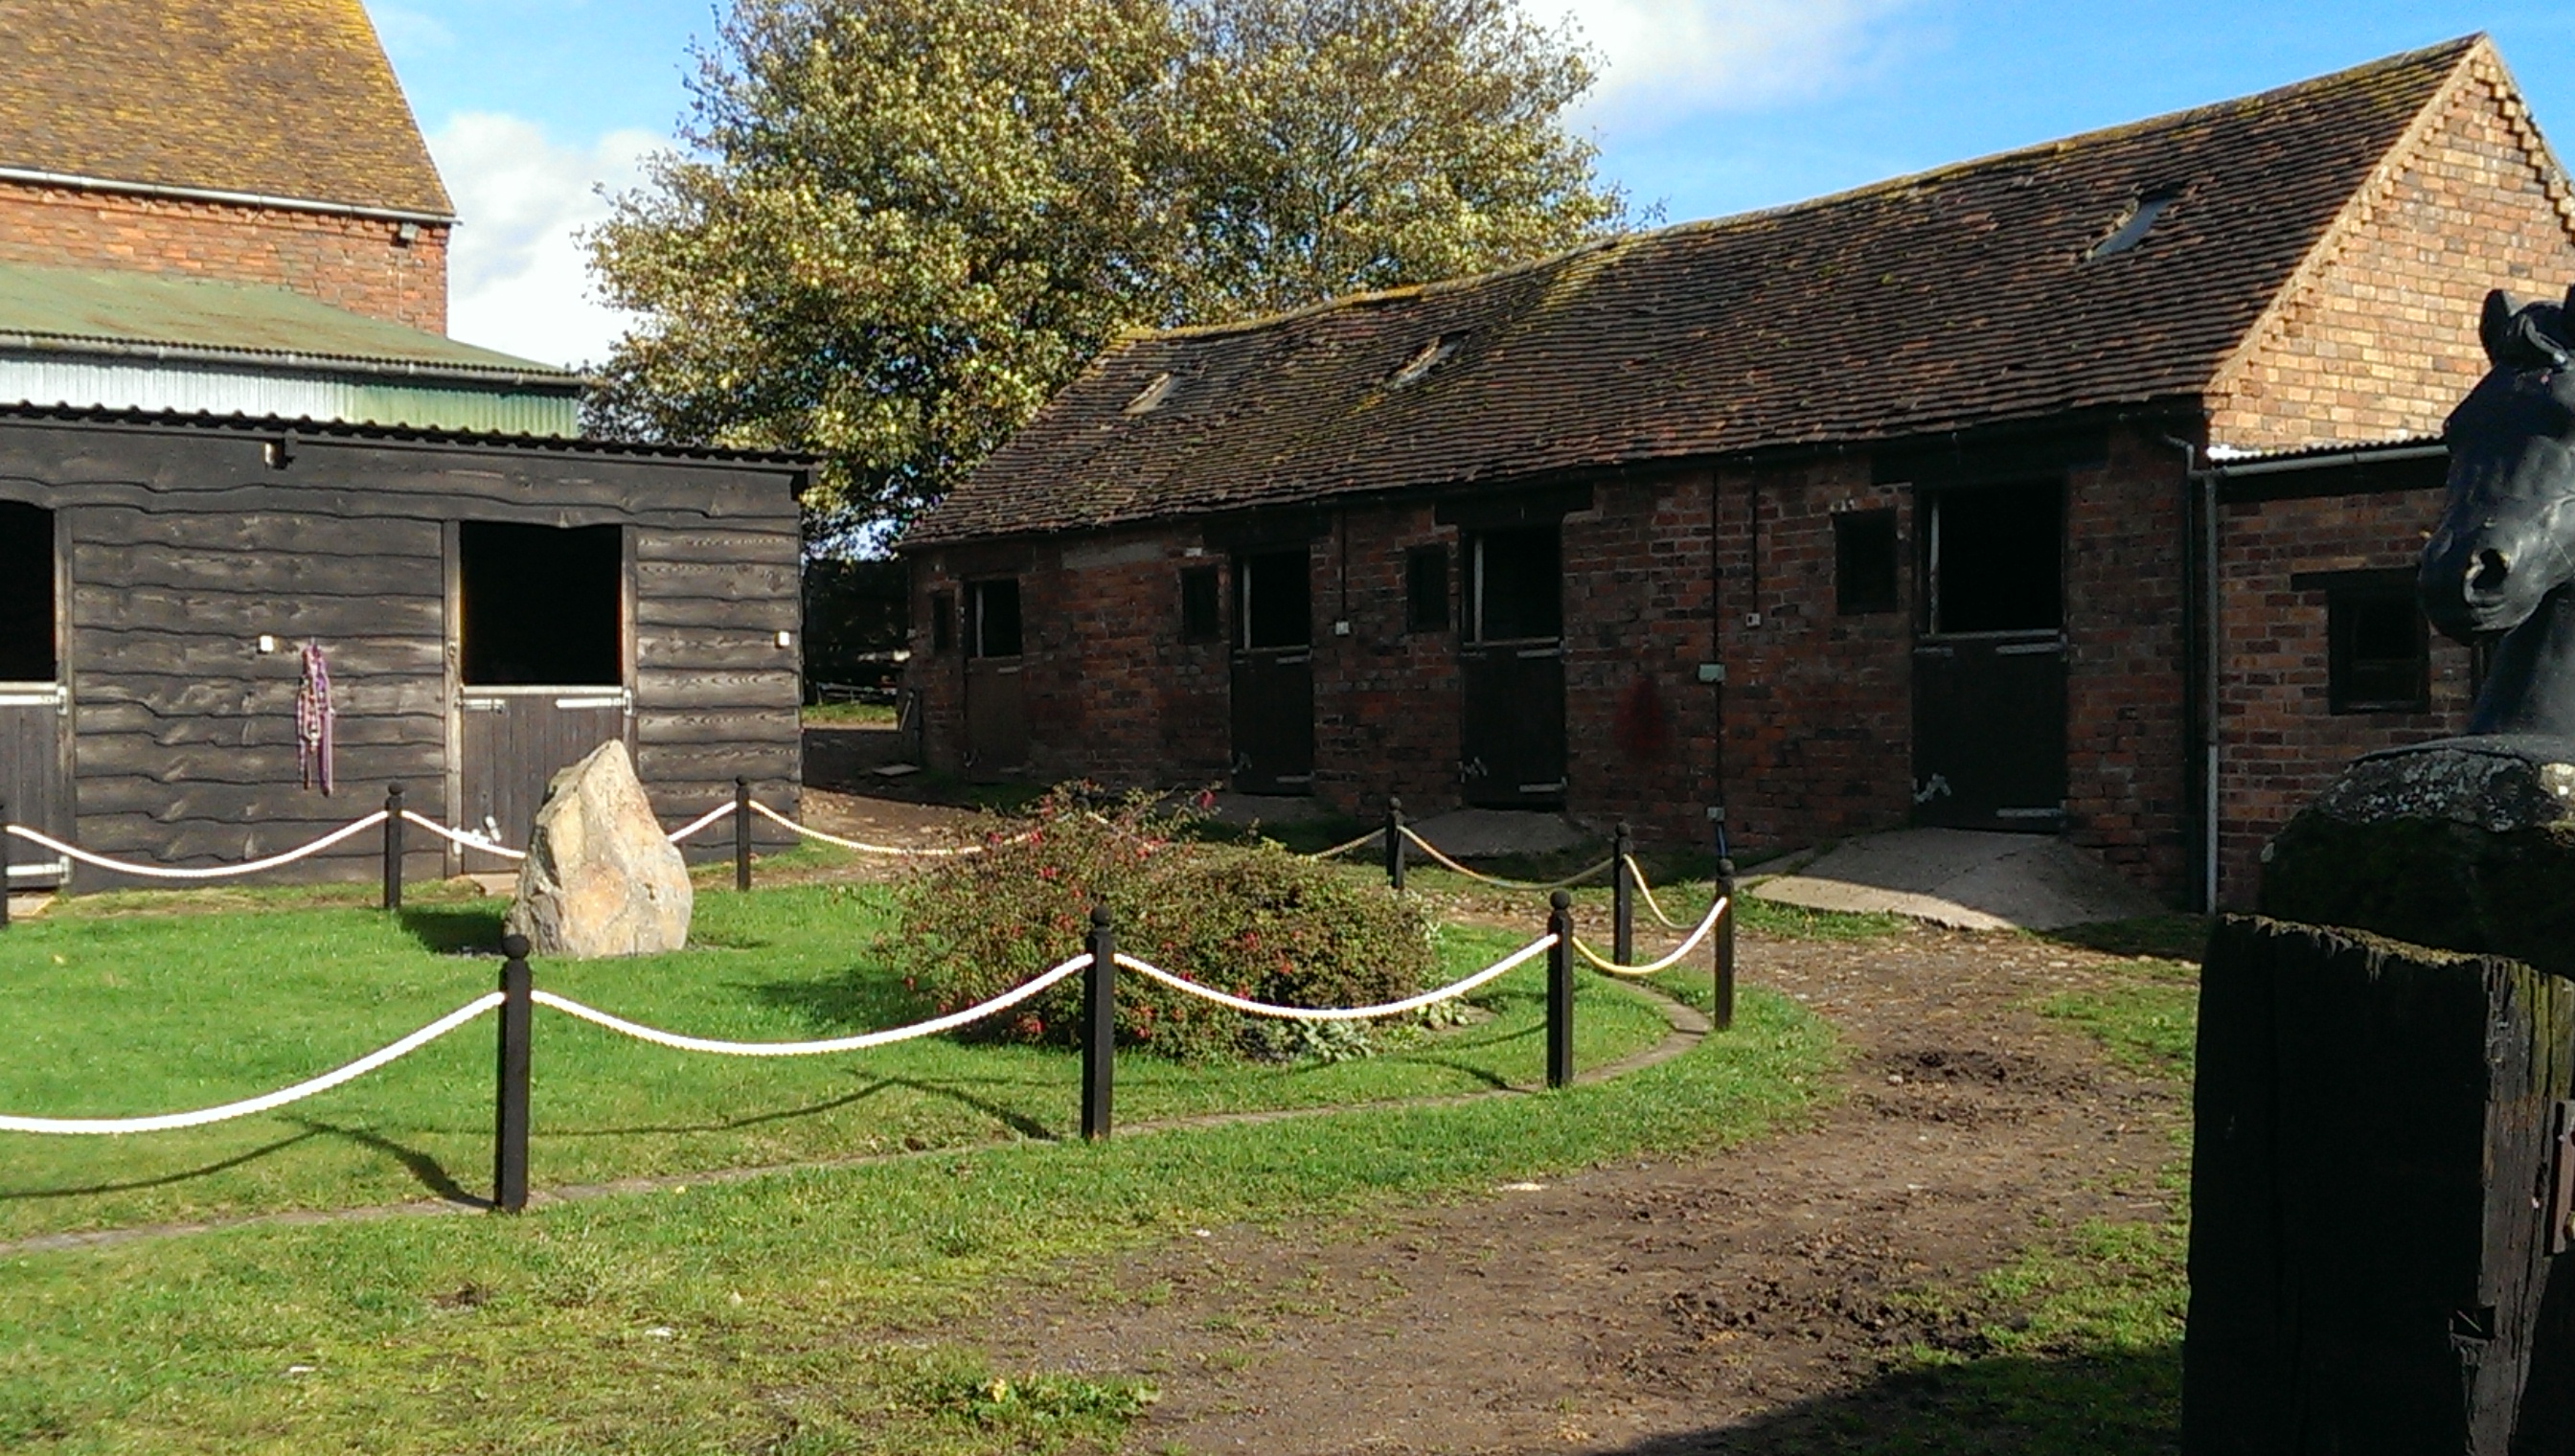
[1663, 60]
[518, 279]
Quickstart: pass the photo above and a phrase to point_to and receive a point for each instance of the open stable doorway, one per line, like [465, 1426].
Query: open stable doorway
[544, 656]
[1274, 673]
[34, 703]
[1989, 663]
[996, 704]
[1511, 662]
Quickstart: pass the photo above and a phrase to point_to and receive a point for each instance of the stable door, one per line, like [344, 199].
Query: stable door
[1989, 670]
[996, 702]
[35, 708]
[1511, 737]
[1273, 674]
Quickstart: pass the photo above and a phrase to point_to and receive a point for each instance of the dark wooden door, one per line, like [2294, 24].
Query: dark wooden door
[32, 723]
[1989, 732]
[515, 740]
[1274, 720]
[1510, 741]
[997, 718]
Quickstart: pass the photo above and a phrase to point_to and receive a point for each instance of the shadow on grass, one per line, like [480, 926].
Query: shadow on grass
[2170, 937]
[1012, 1118]
[454, 929]
[428, 1171]
[858, 1000]
[166, 1180]
[2126, 1404]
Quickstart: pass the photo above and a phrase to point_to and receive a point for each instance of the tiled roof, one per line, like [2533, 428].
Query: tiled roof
[275, 98]
[1954, 298]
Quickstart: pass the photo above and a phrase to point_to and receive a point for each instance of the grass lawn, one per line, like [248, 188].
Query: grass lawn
[132, 1015]
[869, 714]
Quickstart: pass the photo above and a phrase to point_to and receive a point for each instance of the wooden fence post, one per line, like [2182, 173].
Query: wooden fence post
[1099, 1025]
[509, 1103]
[741, 834]
[394, 847]
[1724, 1009]
[1559, 990]
[1393, 841]
[1622, 897]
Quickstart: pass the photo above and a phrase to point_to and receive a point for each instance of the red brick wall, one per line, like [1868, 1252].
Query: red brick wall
[2383, 342]
[2126, 731]
[2279, 742]
[349, 263]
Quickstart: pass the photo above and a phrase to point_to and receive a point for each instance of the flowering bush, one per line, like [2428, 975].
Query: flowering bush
[1256, 921]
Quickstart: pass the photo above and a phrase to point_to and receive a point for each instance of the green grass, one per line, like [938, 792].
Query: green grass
[801, 1313]
[876, 714]
[138, 1014]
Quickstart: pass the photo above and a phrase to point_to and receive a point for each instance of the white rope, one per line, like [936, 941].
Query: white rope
[1376, 834]
[1603, 962]
[700, 821]
[1577, 878]
[951, 1021]
[1450, 992]
[218, 872]
[466, 837]
[811, 833]
[1647, 891]
[301, 1090]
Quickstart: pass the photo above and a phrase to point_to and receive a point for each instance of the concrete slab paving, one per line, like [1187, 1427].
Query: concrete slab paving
[1963, 878]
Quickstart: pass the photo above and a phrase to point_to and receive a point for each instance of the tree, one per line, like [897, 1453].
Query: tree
[901, 225]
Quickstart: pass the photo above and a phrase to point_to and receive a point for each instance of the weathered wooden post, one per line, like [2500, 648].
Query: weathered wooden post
[1393, 841]
[1623, 896]
[1723, 1012]
[394, 847]
[510, 1104]
[1099, 1025]
[741, 833]
[1559, 990]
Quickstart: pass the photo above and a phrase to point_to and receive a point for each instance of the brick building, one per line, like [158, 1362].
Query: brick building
[2015, 494]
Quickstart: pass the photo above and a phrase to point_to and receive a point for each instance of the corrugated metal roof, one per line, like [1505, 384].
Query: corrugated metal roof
[133, 382]
[401, 434]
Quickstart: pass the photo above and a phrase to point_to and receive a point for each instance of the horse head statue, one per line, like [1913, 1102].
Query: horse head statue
[2499, 566]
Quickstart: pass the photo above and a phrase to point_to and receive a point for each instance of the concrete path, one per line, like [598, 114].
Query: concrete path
[1965, 879]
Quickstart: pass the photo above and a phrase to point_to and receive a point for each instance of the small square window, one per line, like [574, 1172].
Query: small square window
[1425, 589]
[993, 619]
[943, 622]
[1200, 600]
[1864, 562]
[2379, 651]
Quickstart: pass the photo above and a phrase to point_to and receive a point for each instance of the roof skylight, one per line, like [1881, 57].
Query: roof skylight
[1151, 396]
[2132, 228]
[1429, 356]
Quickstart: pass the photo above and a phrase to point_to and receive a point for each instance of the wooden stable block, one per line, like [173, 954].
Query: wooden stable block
[2371, 1181]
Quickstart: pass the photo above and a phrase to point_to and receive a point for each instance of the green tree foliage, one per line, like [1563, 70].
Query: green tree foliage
[899, 226]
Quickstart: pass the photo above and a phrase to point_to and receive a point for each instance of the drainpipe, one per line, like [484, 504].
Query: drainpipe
[2205, 546]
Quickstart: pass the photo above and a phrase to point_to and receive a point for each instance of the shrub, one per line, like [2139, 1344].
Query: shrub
[1254, 920]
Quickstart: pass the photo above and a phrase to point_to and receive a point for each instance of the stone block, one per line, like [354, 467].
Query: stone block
[600, 878]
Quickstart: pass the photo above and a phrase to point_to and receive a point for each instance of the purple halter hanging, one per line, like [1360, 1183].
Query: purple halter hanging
[313, 716]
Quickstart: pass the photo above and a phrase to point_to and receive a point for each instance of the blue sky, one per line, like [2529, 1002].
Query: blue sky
[1706, 106]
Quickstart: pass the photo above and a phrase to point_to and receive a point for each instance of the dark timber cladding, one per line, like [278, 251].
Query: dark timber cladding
[196, 557]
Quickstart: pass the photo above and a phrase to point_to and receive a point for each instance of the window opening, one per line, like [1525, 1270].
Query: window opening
[1425, 589]
[993, 619]
[543, 606]
[2379, 650]
[26, 593]
[2132, 229]
[1864, 562]
[1429, 356]
[1277, 599]
[943, 622]
[1201, 599]
[1994, 556]
[1516, 585]
[1151, 396]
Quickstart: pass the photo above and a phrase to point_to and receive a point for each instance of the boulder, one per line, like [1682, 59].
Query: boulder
[2463, 844]
[600, 877]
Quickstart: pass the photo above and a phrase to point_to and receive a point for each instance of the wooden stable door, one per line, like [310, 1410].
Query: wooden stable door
[1273, 674]
[996, 702]
[1511, 733]
[514, 742]
[35, 708]
[1989, 673]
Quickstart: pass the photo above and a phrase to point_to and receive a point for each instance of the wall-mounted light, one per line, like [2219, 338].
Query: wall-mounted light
[787, 638]
[266, 643]
[406, 234]
[279, 452]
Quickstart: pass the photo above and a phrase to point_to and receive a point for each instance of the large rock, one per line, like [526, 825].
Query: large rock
[600, 878]
[2465, 845]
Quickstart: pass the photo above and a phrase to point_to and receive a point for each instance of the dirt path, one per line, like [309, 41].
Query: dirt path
[1663, 1307]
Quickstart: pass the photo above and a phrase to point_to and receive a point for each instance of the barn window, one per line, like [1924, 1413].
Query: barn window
[1201, 597]
[2378, 655]
[2133, 228]
[1994, 559]
[1278, 601]
[1515, 585]
[542, 605]
[993, 619]
[26, 593]
[943, 622]
[1425, 589]
[1864, 562]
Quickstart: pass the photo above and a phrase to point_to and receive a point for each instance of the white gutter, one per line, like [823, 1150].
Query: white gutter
[2326, 461]
[34, 178]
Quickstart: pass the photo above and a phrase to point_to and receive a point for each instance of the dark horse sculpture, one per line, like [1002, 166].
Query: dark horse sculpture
[2502, 562]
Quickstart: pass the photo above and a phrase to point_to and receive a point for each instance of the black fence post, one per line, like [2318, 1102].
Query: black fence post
[1622, 897]
[1099, 1025]
[742, 833]
[393, 847]
[1724, 1013]
[510, 1104]
[8, 853]
[1559, 990]
[1393, 841]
